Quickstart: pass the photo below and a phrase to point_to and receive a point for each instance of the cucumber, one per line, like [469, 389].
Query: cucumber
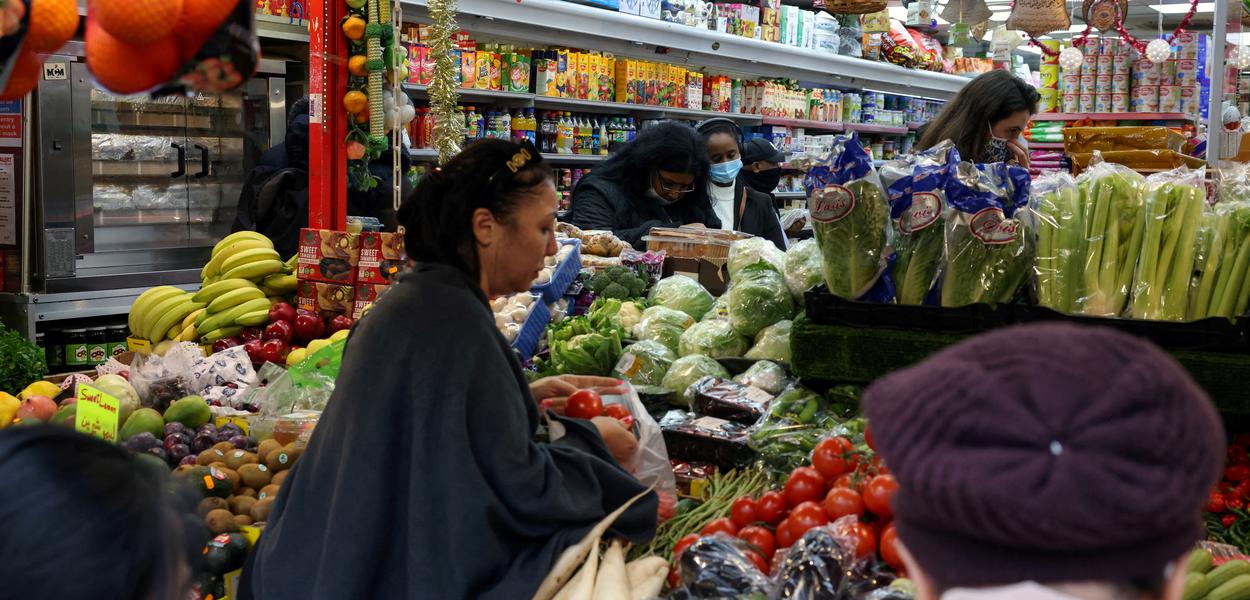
[1227, 571]
[1199, 561]
[1195, 586]
[1237, 588]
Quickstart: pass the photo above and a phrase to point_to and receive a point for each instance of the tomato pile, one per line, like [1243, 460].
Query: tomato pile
[1227, 518]
[840, 482]
[587, 404]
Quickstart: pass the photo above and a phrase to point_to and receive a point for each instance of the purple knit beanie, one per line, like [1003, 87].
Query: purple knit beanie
[1047, 453]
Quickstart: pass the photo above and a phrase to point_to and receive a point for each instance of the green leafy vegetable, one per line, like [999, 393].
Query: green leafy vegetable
[681, 293]
[645, 363]
[720, 309]
[919, 255]
[852, 245]
[1173, 212]
[716, 339]
[752, 251]
[686, 371]
[988, 256]
[765, 375]
[21, 361]
[804, 268]
[664, 325]
[586, 354]
[1061, 243]
[618, 282]
[759, 298]
[772, 343]
[610, 313]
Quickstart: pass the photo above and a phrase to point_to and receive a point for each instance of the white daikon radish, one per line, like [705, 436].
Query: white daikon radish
[646, 577]
[575, 554]
[582, 585]
[611, 582]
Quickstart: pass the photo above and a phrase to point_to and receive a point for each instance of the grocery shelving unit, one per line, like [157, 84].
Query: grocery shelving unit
[790, 195]
[1045, 145]
[1132, 116]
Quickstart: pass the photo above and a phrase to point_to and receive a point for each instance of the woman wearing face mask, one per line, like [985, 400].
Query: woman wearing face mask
[738, 206]
[658, 180]
[985, 120]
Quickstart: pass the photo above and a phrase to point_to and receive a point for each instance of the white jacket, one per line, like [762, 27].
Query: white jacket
[1019, 591]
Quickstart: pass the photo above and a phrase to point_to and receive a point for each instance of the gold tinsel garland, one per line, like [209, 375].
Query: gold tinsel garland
[448, 122]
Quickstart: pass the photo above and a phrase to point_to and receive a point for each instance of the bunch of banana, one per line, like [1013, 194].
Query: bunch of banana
[279, 284]
[165, 313]
[242, 255]
[230, 305]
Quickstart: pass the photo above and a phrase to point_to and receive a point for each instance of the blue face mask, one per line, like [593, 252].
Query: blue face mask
[726, 172]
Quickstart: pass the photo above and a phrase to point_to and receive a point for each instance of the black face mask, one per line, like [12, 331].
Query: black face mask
[764, 181]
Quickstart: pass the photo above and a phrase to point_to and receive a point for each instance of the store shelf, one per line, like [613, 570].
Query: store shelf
[790, 195]
[809, 126]
[423, 153]
[568, 159]
[523, 100]
[282, 28]
[1142, 116]
[1045, 145]
[573, 25]
[871, 128]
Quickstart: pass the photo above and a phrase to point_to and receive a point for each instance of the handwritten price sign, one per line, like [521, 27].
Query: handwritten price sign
[97, 413]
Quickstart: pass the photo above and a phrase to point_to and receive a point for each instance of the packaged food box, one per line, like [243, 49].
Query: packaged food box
[328, 256]
[730, 400]
[366, 295]
[325, 299]
[691, 438]
[382, 257]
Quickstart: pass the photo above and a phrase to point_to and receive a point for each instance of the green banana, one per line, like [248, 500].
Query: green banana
[218, 334]
[228, 317]
[150, 316]
[234, 298]
[210, 292]
[281, 282]
[254, 318]
[255, 270]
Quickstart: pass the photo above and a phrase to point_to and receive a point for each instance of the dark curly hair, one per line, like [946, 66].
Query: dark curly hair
[989, 98]
[670, 146]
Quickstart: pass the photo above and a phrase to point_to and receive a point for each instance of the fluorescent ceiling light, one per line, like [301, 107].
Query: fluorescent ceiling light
[1180, 9]
[1239, 38]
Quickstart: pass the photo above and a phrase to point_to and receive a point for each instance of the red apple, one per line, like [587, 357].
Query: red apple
[308, 328]
[39, 408]
[279, 330]
[281, 312]
[339, 323]
[250, 333]
[274, 351]
[254, 348]
[225, 343]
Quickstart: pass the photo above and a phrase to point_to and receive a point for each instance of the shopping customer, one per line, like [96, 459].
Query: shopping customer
[986, 120]
[658, 180]
[423, 478]
[1047, 462]
[761, 165]
[738, 206]
[83, 520]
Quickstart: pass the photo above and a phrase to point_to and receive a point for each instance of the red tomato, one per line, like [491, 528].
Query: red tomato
[863, 540]
[758, 560]
[785, 536]
[761, 538]
[1216, 503]
[805, 485]
[829, 457]
[879, 495]
[674, 579]
[725, 526]
[868, 438]
[889, 548]
[684, 543]
[1237, 472]
[806, 516]
[1243, 489]
[852, 481]
[584, 404]
[1234, 502]
[744, 511]
[843, 501]
[616, 411]
[771, 507]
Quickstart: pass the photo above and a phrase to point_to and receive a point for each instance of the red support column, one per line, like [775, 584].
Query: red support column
[327, 79]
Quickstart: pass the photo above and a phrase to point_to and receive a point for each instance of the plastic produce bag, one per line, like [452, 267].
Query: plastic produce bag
[160, 380]
[664, 325]
[695, 439]
[822, 565]
[306, 385]
[989, 251]
[1173, 209]
[720, 309]
[849, 217]
[681, 293]
[645, 363]
[917, 193]
[729, 400]
[716, 339]
[1112, 197]
[1059, 222]
[772, 343]
[744, 253]
[804, 268]
[1223, 287]
[686, 371]
[765, 375]
[717, 566]
[649, 464]
[759, 298]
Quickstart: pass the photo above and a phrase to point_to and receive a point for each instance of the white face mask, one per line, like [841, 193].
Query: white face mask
[996, 138]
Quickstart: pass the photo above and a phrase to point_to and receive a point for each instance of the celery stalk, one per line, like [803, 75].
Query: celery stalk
[1218, 226]
[1071, 251]
[1096, 299]
[1146, 287]
[1188, 213]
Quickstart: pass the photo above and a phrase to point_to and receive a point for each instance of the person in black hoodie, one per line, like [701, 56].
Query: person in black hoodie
[734, 202]
[658, 180]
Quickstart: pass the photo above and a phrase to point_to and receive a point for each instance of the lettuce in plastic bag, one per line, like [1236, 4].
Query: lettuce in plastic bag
[744, 253]
[772, 343]
[716, 339]
[689, 369]
[989, 251]
[720, 309]
[664, 325]
[681, 293]
[804, 268]
[759, 298]
[645, 363]
[765, 375]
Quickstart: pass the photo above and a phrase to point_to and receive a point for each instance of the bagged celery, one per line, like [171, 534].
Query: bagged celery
[1113, 198]
[849, 217]
[1059, 222]
[1173, 211]
[989, 250]
[917, 193]
[1222, 282]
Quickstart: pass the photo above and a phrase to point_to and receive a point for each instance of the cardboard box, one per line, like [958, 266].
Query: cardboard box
[382, 257]
[366, 295]
[325, 299]
[713, 276]
[328, 256]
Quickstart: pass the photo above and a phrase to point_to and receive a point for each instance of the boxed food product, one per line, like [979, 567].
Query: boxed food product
[325, 299]
[691, 438]
[366, 294]
[730, 400]
[468, 69]
[328, 256]
[381, 257]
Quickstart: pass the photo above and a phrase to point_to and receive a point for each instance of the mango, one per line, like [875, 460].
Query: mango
[191, 411]
[143, 420]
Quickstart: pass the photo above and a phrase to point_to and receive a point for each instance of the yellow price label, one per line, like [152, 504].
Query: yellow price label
[97, 413]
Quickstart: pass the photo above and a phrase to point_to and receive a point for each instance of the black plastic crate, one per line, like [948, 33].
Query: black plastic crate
[827, 309]
[1210, 334]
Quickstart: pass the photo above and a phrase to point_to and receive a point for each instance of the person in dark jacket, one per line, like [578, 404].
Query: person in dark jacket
[658, 180]
[424, 477]
[734, 202]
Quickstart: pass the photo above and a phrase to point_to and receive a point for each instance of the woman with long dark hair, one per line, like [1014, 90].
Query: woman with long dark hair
[658, 180]
[985, 119]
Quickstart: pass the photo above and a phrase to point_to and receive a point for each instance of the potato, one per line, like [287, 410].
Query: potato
[210, 504]
[221, 521]
[260, 511]
[255, 475]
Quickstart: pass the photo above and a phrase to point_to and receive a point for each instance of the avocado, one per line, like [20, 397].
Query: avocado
[191, 411]
[209, 481]
[143, 420]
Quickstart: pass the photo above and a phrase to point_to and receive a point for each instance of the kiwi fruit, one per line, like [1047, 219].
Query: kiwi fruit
[267, 446]
[233, 476]
[218, 465]
[279, 477]
[260, 511]
[238, 458]
[250, 492]
[221, 521]
[243, 520]
[223, 446]
[209, 456]
[269, 491]
[242, 505]
[255, 475]
[282, 458]
[210, 504]
[183, 469]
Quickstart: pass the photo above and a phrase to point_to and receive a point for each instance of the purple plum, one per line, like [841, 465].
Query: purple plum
[239, 442]
[158, 452]
[177, 452]
[187, 460]
[175, 427]
[143, 441]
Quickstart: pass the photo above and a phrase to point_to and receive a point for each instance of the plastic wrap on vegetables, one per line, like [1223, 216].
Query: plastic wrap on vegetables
[719, 311]
[716, 339]
[729, 400]
[645, 363]
[989, 250]
[681, 293]
[759, 298]
[685, 371]
[822, 565]
[795, 422]
[1174, 204]
[772, 343]
[765, 375]
[1223, 287]
[1059, 221]
[744, 253]
[664, 325]
[804, 268]
[849, 217]
[692, 438]
[917, 206]
[1112, 197]
[717, 567]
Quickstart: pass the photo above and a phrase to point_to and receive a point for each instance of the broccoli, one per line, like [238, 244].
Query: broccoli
[618, 282]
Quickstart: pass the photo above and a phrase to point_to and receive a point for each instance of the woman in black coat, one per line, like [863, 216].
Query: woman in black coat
[733, 201]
